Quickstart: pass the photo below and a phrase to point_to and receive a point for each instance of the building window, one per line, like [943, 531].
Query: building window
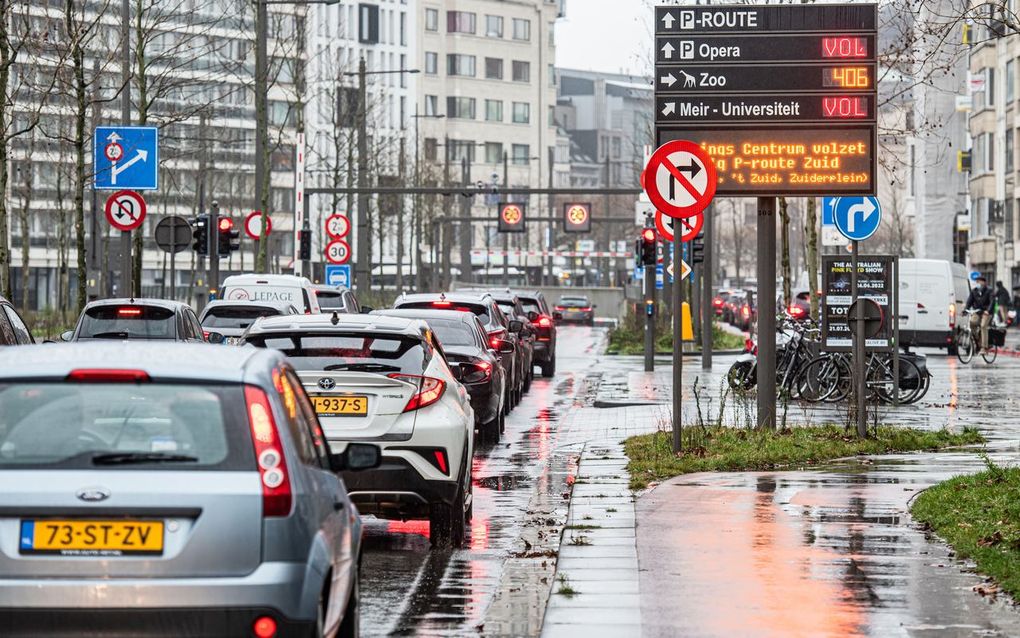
[990, 86]
[431, 147]
[522, 113]
[1007, 215]
[494, 26]
[521, 71]
[432, 19]
[521, 154]
[431, 62]
[368, 24]
[1009, 150]
[493, 110]
[1010, 82]
[522, 29]
[494, 68]
[493, 152]
[460, 64]
[431, 105]
[552, 75]
[460, 22]
[403, 29]
[990, 143]
[462, 150]
[462, 108]
[552, 115]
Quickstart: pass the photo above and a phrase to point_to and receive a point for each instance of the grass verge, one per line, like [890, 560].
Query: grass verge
[726, 449]
[629, 340]
[979, 516]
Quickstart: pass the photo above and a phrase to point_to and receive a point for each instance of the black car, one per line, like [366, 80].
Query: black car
[336, 299]
[541, 318]
[498, 328]
[139, 319]
[13, 331]
[512, 307]
[575, 309]
[473, 360]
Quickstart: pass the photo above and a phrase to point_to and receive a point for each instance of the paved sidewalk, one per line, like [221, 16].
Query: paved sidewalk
[831, 552]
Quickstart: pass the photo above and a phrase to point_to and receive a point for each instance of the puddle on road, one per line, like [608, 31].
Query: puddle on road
[503, 482]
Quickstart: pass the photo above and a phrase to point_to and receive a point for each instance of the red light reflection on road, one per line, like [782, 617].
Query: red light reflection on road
[408, 527]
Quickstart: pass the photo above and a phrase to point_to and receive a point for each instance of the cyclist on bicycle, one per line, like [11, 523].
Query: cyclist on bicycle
[980, 300]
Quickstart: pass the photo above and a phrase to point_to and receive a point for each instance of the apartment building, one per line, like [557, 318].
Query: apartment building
[486, 103]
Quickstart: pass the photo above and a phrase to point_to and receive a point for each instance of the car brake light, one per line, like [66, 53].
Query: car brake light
[561, 307]
[264, 627]
[717, 301]
[745, 311]
[442, 304]
[430, 390]
[952, 315]
[129, 312]
[588, 309]
[440, 456]
[478, 372]
[544, 322]
[276, 494]
[100, 375]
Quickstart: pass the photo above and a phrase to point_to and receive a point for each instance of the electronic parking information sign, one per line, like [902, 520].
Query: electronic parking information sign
[782, 97]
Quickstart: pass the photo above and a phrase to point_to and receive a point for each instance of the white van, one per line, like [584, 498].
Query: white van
[297, 291]
[933, 293]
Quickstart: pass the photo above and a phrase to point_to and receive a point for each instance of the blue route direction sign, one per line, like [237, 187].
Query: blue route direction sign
[857, 218]
[126, 157]
[338, 275]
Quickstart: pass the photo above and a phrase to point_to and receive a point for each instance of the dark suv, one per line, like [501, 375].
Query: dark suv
[541, 317]
[512, 307]
[498, 328]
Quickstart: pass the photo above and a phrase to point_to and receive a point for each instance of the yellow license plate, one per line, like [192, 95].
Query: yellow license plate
[341, 405]
[91, 537]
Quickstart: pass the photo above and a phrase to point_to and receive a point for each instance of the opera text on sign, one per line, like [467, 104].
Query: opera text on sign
[782, 97]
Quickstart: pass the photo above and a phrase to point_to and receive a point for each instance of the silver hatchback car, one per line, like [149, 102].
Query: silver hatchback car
[157, 489]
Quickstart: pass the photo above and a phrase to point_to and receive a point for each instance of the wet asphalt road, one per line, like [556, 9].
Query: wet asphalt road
[498, 583]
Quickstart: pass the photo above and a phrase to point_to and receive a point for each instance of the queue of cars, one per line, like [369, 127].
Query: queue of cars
[225, 498]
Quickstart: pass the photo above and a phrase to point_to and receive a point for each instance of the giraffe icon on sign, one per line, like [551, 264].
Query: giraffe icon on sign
[688, 79]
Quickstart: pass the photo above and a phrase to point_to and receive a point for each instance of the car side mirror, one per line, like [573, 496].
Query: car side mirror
[216, 338]
[516, 325]
[366, 309]
[532, 315]
[357, 457]
[557, 316]
[67, 335]
[505, 347]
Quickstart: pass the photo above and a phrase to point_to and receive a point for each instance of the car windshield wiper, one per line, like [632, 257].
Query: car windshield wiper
[110, 335]
[126, 458]
[362, 367]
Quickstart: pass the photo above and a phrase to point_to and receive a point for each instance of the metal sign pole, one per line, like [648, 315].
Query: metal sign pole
[858, 345]
[214, 245]
[894, 307]
[766, 306]
[649, 317]
[173, 257]
[678, 344]
[707, 310]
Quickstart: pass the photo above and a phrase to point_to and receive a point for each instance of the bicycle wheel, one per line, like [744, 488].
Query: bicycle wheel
[885, 387]
[964, 346]
[820, 378]
[989, 354]
[741, 375]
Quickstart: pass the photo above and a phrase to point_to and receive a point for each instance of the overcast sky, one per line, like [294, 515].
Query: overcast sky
[605, 35]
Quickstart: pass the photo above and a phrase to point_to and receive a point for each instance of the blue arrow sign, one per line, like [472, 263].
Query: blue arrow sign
[827, 205]
[126, 157]
[338, 275]
[857, 218]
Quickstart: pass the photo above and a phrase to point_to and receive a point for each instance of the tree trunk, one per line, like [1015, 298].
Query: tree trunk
[24, 222]
[81, 104]
[141, 82]
[811, 256]
[738, 243]
[5, 75]
[784, 270]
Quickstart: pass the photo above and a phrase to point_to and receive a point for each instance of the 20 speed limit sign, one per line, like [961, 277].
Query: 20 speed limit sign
[338, 252]
[337, 226]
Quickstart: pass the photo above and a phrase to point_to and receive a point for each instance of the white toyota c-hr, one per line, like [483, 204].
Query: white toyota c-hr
[385, 380]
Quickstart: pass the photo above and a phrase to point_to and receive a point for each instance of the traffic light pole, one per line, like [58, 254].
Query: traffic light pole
[214, 246]
[707, 310]
[649, 317]
[678, 349]
[766, 305]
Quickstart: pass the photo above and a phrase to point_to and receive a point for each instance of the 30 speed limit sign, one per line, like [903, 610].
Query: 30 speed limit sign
[338, 252]
[337, 226]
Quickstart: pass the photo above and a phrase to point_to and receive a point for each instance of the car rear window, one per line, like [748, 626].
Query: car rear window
[574, 302]
[452, 333]
[128, 322]
[236, 316]
[58, 425]
[530, 305]
[330, 300]
[358, 351]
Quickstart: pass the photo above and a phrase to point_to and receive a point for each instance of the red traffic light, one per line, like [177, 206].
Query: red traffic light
[226, 224]
[648, 234]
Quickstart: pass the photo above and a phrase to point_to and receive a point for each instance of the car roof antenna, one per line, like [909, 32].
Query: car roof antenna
[335, 319]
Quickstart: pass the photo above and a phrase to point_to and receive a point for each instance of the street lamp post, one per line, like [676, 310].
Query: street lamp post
[418, 277]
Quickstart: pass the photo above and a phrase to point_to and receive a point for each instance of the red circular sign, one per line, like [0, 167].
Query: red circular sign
[253, 225]
[125, 210]
[338, 252]
[337, 226]
[512, 214]
[113, 151]
[691, 226]
[680, 179]
[577, 214]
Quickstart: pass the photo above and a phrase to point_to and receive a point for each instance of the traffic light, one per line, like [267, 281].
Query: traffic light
[201, 234]
[648, 254]
[304, 245]
[698, 250]
[228, 239]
